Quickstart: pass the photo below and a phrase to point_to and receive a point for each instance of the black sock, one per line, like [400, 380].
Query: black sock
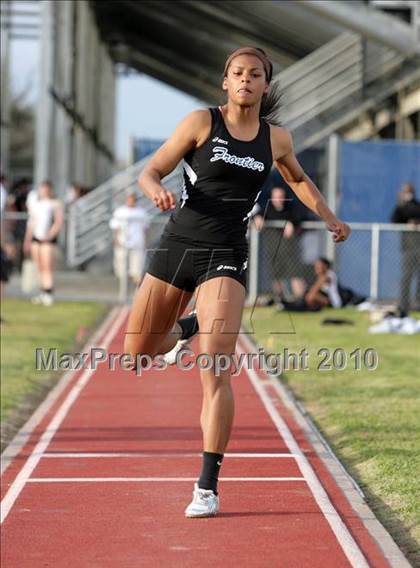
[48, 290]
[189, 326]
[210, 471]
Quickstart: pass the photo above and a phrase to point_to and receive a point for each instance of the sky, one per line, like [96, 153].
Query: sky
[145, 107]
[148, 108]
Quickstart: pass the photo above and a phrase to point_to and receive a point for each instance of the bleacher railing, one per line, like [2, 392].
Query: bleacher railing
[340, 71]
[88, 231]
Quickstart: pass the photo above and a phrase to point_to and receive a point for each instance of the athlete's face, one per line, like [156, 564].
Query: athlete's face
[245, 82]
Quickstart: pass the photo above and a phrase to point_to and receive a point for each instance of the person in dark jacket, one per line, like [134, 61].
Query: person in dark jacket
[282, 243]
[408, 211]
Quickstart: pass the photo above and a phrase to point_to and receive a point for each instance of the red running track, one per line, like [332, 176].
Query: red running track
[105, 475]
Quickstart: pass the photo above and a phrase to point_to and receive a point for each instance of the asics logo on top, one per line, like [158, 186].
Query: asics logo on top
[217, 139]
[221, 153]
[226, 266]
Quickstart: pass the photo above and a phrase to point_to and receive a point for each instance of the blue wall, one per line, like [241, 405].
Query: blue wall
[142, 147]
[371, 175]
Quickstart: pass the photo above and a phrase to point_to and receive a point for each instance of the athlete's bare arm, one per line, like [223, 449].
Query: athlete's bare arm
[189, 133]
[285, 161]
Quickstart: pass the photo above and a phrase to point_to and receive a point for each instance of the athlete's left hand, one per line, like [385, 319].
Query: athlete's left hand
[164, 199]
[341, 231]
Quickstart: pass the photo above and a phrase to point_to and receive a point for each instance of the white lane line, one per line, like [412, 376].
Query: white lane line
[50, 431]
[152, 479]
[82, 455]
[345, 539]
[24, 433]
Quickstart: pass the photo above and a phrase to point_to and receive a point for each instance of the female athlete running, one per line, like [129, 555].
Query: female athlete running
[228, 152]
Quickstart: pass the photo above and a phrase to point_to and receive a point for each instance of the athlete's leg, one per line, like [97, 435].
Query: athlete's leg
[219, 310]
[152, 327]
[47, 258]
[35, 257]
[34, 253]
[219, 305]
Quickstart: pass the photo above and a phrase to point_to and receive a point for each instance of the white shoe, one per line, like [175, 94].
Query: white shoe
[387, 325]
[366, 306]
[409, 326]
[44, 298]
[170, 356]
[47, 299]
[204, 504]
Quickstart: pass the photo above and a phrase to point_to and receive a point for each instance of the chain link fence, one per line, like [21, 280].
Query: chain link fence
[379, 261]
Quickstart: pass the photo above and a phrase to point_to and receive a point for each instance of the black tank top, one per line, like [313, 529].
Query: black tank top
[222, 181]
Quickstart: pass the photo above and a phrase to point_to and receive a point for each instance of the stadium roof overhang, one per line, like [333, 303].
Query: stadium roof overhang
[184, 43]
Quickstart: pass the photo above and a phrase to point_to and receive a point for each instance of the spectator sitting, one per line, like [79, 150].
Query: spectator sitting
[325, 292]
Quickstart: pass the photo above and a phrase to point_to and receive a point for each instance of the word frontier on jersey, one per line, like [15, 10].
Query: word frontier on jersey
[221, 153]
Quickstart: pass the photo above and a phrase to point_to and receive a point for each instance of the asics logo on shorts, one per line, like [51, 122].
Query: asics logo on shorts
[221, 266]
[221, 153]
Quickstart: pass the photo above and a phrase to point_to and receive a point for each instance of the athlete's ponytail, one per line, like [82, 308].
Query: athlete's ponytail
[271, 102]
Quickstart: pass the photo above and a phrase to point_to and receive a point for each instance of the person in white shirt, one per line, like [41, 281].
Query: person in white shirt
[129, 224]
[44, 224]
[32, 199]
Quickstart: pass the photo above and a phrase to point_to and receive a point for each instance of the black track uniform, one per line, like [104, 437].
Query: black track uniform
[205, 236]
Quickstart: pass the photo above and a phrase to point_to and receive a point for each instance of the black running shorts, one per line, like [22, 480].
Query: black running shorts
[186, 264]
[53, 241]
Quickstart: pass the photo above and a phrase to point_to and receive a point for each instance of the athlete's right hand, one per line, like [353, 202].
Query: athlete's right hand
[164, 199]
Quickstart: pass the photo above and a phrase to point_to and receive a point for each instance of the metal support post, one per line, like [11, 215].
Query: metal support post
[332, 186]
[254, 239]
[374, 262]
